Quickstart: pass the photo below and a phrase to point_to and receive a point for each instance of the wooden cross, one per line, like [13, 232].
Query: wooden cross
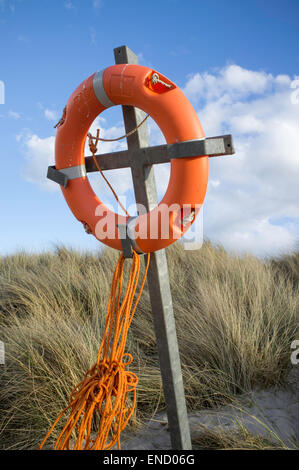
[140, 157]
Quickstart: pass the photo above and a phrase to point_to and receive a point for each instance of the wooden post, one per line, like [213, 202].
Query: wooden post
[158, 280]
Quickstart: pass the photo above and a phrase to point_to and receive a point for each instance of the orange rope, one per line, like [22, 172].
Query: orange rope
[93, 141]
[127, 134]
[103, 393]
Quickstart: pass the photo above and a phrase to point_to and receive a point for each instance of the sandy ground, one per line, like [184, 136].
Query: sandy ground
[272, 413]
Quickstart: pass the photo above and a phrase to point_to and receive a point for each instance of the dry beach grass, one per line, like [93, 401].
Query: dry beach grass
[236, 318]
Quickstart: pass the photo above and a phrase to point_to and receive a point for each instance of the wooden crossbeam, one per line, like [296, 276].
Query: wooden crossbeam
[211, 146]
[148, 156]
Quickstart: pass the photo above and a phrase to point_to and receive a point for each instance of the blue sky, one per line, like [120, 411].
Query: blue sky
[236, 61]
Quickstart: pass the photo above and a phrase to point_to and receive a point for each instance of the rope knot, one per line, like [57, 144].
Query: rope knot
[93, 142]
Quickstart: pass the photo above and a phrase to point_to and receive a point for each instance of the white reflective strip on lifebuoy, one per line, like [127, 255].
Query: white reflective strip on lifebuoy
[131, 223]
[74, 172]
[100, 91]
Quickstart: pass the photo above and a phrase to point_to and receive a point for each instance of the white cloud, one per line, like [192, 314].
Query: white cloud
[9, 5]
[214, 183]
[259, 183]
[231, 82]
[180, 51]
[244, 81]
[39, 154]
[68, 4]
[96, 3]
[51, 115]
[22, 38]
[93, 36]
[14, 114]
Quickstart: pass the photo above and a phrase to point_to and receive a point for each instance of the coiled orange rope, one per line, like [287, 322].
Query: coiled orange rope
[103, 394]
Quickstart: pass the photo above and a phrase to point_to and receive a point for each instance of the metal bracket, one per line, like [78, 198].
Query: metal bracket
[57, 176]
[126, 242]
[64, 175]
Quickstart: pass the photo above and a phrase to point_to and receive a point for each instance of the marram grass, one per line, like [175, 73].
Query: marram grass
[235, 316]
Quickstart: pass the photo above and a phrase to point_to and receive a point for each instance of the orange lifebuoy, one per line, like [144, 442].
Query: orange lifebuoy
[138, 86]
